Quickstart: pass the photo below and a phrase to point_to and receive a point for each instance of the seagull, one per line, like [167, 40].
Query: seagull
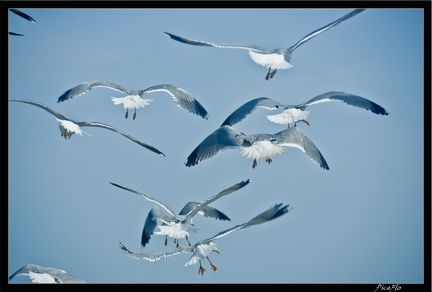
[134, 98]
[256, 147]
[69, 127]
[202, 249]
[273, 59]
[179, 225]
[22, 14]
[39, 274]
[295, 113]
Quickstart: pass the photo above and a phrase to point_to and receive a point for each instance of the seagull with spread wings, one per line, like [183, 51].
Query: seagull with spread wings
[179, 225]
[134, 99]
[39, 274]
[273, 59]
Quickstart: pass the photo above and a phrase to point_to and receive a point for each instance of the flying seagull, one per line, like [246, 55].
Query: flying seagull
[22, 14]
[256, 147]
[202, 249]
[179, 225]
[134, 98]
[273, 59]
[69, 127]
[39, 274]
[295, 113]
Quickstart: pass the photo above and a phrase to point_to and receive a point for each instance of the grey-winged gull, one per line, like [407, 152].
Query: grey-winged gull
[293, 113]
[273, 59]
[69, 127]
[179, 225]
[256, 146]
[203, 248]
[39, 274]
[134, 99]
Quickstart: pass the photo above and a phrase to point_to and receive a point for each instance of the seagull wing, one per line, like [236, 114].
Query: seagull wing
[225, 192]
[16, 34]
[151, 224]
[22, 14]
[105, 126]
[181, 97]
[294, 137]
[326, 27]
[42, 106]
[347, 98]
[152, 257]
[270, 214]
[86, 86]
[205, 211]
[39, 274]
[167, 208]
[247, 108]
[223, 138]
[217, 45]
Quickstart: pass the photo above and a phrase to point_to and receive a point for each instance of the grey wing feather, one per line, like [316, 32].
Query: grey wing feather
[167, 208]
[152, 257]
[248, 107]
[225, 192]
[151, 223]
[324, 28]
[223, 138]
[181, 97]
[347, 98]
[216, 45]
[108, 127]
[86, 86]
[22, 14]
[16, 34]
[42, 106]
[294, 137]
[205, 211]
[268, 215]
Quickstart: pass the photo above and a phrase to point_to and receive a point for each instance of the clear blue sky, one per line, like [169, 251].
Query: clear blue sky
[360, 222]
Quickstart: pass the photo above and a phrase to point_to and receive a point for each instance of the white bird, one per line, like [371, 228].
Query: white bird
[294, 113]
[273, 59]
[179, 225]
[39, 274]
[256, 147]
[134, 98]
[69, 127]
[203, 248]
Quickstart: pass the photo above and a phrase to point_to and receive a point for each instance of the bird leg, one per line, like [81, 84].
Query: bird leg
[273, 73]
[269, 160]
[127, 113]
[201, 270]
[166, 240]
[188, 240]
[211, 265]
[268, 74]
[134, 115]
[254, 164]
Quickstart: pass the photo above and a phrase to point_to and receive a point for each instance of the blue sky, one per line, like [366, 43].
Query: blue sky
[360, 222]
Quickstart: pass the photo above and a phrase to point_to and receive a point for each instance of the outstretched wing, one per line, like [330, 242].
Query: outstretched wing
[108, 127]
[270, 214]
[347, 98]
[216, 45]
[294, 137]
[42, 106]
[15, 34]
[169, 210]
[225, 192]
[205, 211]
[247, 108]
[152, 257]
[326, 27]
[86, 86]
[151, 224]
[22, 14]
[223, 138]
[181, 97]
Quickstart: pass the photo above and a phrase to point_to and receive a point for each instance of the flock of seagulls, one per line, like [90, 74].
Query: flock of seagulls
[262, 146]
